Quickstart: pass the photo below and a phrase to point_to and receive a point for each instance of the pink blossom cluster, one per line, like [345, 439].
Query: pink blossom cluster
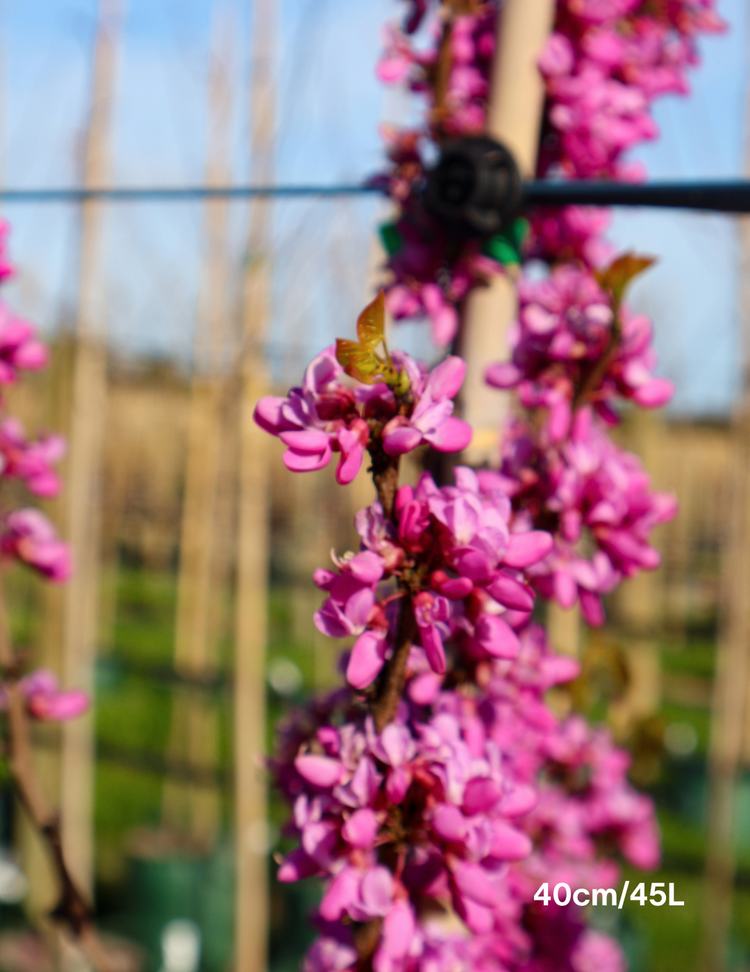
[574, 234]
[326, 415]
[566, 326]
[597, 501]
[421, 251]
[444, 811]
[20, 349]
[603, 66]
[30, 460]
[459, 540]
[452, 810]
[27, 536]
[456, 103]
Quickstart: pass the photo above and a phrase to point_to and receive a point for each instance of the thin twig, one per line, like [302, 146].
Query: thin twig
[72, 908]
[442, 68]
[592, 379]
[391, 686]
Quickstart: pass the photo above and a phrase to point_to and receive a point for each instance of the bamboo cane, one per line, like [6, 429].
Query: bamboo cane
[514, 118]
[729, 708]
[84, 464]
[252, 905]
[194, 732]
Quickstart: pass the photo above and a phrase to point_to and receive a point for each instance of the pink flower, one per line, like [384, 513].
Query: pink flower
[564, 328]
[320, 771]
[19, 348]
[352, 594]
[431, 613]
[31, 538]
[399, 928]
[310, 420]
[596, 952]
[47, 702]
[7, 269]
[432, 419]
[30, 461]
[326, 416]
[492, 832]
[557, 57]
[329, 954]
[601, 497]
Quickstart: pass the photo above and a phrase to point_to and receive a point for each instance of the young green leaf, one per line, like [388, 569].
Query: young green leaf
[618, 275]
[371, 323]
[360, 359]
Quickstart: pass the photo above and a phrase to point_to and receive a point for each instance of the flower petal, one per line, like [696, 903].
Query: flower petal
[296, 462]
[320, 771]
[366, 660]
[496, 637]
[511, 593]
[452, 436]
[400, 439]
[525, 549]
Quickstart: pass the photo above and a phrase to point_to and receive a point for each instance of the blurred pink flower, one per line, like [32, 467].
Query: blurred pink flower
[31, 537]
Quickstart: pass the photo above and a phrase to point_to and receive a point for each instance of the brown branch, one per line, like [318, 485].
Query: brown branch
[366, 938]
[386, 483]
[384, 470]
[441, 72]
[72, 909]
[391, 685]
[593, 378]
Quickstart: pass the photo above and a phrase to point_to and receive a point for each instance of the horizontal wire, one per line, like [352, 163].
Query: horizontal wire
[732, 196]
[177, 194]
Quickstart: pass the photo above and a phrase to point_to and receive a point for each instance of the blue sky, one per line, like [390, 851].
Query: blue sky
[329, 108]
[693, 294]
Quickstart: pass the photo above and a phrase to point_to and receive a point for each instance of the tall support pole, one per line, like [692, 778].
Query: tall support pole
[194, 734]
[84, 464]
[729, 710]
[514, 118]
[34, 854]
[641, 601]
[251, 920]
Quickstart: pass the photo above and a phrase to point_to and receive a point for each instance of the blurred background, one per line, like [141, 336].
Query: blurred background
[154, 361]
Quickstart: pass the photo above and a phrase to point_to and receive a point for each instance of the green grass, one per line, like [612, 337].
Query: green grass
[695, 657]
[134, 715]
[144, 623]
[669, 939]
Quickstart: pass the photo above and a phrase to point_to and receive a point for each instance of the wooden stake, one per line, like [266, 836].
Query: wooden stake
[251, 920]
[640, 601]
[35, 857]
[729, 708]
[84, 464]
[195, 726]
[514, 118]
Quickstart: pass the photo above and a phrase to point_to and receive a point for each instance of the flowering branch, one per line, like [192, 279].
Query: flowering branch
[28, 537]
[72, 908]
[438, 792]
